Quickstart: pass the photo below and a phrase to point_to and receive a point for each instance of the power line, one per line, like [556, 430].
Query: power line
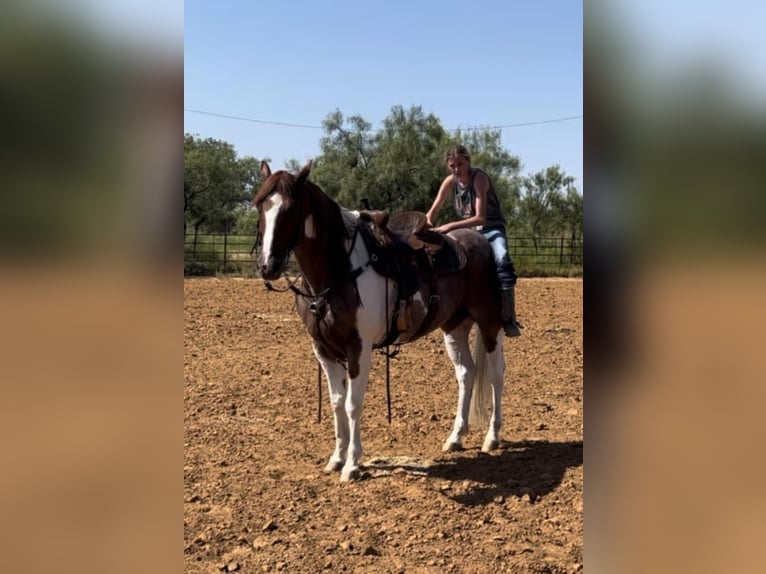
[565, 119]
[240, 118]
[293, 125]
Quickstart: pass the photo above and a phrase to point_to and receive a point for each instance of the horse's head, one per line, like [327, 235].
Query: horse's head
[280, 217]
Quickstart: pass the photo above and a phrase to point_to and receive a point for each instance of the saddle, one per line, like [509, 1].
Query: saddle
[404, 248]
[408, 233]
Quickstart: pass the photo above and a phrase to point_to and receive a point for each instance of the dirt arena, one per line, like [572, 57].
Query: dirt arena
[256, 498]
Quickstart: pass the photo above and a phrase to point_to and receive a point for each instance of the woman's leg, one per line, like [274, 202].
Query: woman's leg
[506, 274]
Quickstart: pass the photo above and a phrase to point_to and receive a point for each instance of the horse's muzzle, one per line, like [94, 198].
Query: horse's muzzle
[272, 268]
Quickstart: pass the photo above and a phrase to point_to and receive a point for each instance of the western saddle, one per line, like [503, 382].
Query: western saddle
[404, 248]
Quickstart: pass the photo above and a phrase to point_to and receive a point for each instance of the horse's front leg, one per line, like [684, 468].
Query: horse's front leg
[460, 354]
[357, 388]
[335, 373]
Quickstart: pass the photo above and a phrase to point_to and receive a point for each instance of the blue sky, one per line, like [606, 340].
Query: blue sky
[670, 38]
[482, 63]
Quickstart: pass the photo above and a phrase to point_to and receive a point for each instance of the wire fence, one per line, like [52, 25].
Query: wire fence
[222, 254]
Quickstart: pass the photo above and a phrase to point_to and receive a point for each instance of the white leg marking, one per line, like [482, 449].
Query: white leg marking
[335, 374]
[460, 354]
[354, 405]
[496, 373]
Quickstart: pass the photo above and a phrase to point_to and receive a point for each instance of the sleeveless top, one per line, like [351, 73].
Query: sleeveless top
[464, 201]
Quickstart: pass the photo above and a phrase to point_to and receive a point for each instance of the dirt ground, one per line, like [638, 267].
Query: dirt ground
[257, 500]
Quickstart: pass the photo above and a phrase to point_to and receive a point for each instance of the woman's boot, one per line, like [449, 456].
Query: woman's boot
[508, 312]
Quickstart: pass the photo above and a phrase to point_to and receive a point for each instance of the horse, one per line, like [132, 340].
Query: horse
[345, 305]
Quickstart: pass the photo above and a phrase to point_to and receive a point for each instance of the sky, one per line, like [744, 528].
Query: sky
[471, 64]
[670, 38]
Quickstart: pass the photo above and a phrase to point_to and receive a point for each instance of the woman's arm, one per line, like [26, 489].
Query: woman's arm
[481, 187]
[441, 196]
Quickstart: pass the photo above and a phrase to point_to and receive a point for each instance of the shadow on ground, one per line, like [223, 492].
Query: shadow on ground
[535, 465]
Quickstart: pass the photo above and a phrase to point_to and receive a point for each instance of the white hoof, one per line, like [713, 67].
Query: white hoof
[490, 445]
[450, 446]
[347, 475]
[334, 466]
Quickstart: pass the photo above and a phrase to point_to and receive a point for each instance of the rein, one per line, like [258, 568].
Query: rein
[329, 292]
[290, 285]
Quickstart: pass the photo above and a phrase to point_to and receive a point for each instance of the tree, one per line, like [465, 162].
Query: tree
[401, 166]
[216, 181]
[347, 150]
[568, 212]
[398, 167]
[541, 207]
[406, 171]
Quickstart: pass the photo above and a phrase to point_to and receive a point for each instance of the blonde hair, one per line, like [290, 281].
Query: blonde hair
[457, 151]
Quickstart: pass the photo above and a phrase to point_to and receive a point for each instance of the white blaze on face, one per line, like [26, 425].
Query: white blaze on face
[308, 227]
[271, 207]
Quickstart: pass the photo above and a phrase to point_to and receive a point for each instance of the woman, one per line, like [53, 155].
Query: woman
[477, 206]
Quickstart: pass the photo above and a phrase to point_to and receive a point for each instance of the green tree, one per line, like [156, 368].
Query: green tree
[542, 204]
[401, 166]
[347, 150]
[398, 167]
[216, 182]
[249, 171]
[567, 211]
[407, 168]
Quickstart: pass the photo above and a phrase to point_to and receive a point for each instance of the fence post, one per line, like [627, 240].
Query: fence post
[571, 250]
[225, 246]
[561, 251]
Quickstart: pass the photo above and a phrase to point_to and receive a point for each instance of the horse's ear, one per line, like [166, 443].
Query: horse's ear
[303, 174]
[265, 169]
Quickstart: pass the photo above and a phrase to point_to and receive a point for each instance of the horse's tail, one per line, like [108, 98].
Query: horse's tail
[478, 416]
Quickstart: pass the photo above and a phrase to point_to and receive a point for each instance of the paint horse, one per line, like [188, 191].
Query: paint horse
[345, 305]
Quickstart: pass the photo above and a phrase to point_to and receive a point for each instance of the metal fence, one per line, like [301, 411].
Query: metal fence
[210, 254]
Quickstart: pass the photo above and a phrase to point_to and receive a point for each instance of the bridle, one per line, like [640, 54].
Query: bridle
[316, 298]
[325, 293]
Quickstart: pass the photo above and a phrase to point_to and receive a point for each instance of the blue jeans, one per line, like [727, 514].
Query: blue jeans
[506, 272]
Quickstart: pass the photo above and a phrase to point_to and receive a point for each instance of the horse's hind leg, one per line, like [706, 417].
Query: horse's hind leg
[496, 373]
[460, 354]
[336, 380]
